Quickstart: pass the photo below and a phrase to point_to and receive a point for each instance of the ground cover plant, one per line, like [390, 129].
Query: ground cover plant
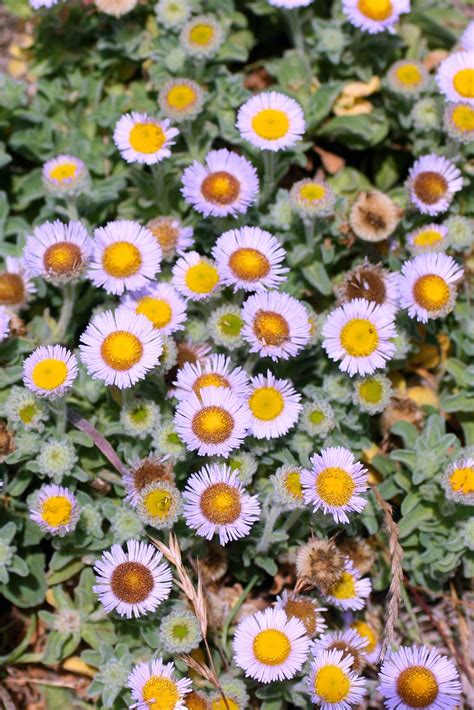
[237, 354]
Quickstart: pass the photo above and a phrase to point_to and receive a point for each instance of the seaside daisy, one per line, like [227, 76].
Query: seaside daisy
[116, 8]
[172, 14]
[429, 238]
[312, 198]
[24, 410]
[373, 393]
[65, 176]
[427, 286]
[407, 77]
[271, 121]
[50, 371]
[250, 258]
[167, 442]
[269, 646]
[425, 114]
[305, 609]
[458, 481]
[141, 138]
[419, 677]
[371, 282]
[217, 371]
[126, 257]
[215, 502]
[154, 686]
[5, 318]
[349, 641]
[142, 472]
[140, 417]
[202, 36]
[120, 347]
[159, 504]
[350, 591]
[433, 181]
[195, 276]
[161, 304]
[225, 326]
[181, 99]
[16, 285]
[276, 325]
[172, 236]
[134, 582]
[455, 77]
[287, 487]
[317, 417]
[459, 121]
[180, 631]
[368, 632]
[274, 406]
[57, 252]
[226, 184]
[375, 16]
[57, 458]
[55, 509]
[374, 216]
[460, 232]
[332, 683]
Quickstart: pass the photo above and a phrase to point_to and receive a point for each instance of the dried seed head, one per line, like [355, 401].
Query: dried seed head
[319, 564]
[214, 565]
[374, 216]
[359, 552]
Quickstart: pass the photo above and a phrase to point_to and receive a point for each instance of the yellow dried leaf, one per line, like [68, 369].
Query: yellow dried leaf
[398, 382]
[358, 89]
[359, 108]
[75, 665]
[50, 598]
[423, 396]
[369, 454]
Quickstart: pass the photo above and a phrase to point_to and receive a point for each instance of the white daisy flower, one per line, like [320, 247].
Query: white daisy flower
[287, 488]
[5, 317]
[215, 502]
[142, 472]
[358, 336]
[455, 77]
[419, 677]
[217, 371]
[55, 510]
[153, 686]
[458, 481]
[372, 394]
[65, 175]
[126, 257]
[181, 99]
[274, 406]
[250, 258]
[467, 38]
[214, 423]
[120, 347]
[141, 138]
[350, 591]
[375, 16]
[349, 641]
[172, 14]
[407, 77]
[332, 684]
[195, 277]
[161, 304]
[290, 4]
[433, 181]
[50, 371]
[202, 36]
[429, 238]
[459, 121]
[427, 286]
[57, 252]
[132, 583]
[172, 236]
[305, 609]
[269, 646]
[271, 121]
[334, 483]
[276, 325]
[226, 184]
[312, 198]
[16, 285]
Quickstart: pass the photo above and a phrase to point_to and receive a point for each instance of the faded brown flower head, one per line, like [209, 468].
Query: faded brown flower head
[368, 281]
[359, 552]
[214, 565]
[319, 565]
[196, 701]
[401, 408]
[374, 216]
[150, 470]
[7, 441]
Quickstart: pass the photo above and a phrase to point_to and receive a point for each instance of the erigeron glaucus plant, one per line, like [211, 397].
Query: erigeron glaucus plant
[236, 355]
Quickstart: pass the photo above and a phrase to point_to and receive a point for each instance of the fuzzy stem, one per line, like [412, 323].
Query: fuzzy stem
[160, 187]
[296, 29]
[59, 409]
[309, 225]
[69, 294]
[272, 515]
[269, 165]
[293, 518]
[71, 208]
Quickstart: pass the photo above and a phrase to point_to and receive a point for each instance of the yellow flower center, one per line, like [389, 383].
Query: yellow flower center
[28, 413]
[165, 233]
[427, 238]
[312, 192]
[271, 124]
[231, 324]
[430, 187]
[221, 188]
[156, 310]
[344, 588]
[463, 118]
[12, 289]
[49, 373]
[335, 486]
[211, 379]
[408, 74]
[131, 582]
[56, 511]
[266, 403]
[158, 503]
[332, 684]
[181, 97]
[303, 610]
[202, 277]
[147, 138]
[160, 693]
[378, 10]
[463, 82]
[220, 503]
[431, 292]
[271, 328]
[62, 258]
[230, 704]
[63, 172]
[417, 686]
[316, 417]
[359, 337]
[121, 350]
[271, 647]
[462, 480]
[367, 632]
[249, 264]
[121, 259]
[202, 34]
[371, 391]
[213, 425]
[293, 485]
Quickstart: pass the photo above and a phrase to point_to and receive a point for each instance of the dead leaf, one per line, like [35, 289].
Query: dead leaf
[332, 163]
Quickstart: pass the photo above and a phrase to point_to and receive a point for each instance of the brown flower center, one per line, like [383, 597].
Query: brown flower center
[131, 582]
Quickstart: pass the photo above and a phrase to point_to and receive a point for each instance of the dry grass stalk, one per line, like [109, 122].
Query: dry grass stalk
[200, 668]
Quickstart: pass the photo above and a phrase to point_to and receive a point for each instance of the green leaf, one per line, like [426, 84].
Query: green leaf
[318, 277]
[30, 590]
[418, 515]
[267, 564]
[357, 132]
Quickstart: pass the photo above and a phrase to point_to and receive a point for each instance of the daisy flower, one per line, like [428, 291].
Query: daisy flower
[152, 684]
[335, 483]
[250, 258]
[375, 16]
[419, 677]
[372, 648]
[57, 252]
[358, 335]
[159, 504]
[312, 198]
[350, 642]
[287, 487]
[317, 417]
[172, 14]
[433, 181]
[195, 277]
[290, 4]
[467, 38]
[139, 417]
[429, 238]
[120, 347]
[350, 591]
[143, 472]
[427, 286]
[55, 510]
[226, 184]
[276, 325]
[215, 502]
[274, 406]
[181, 99]
[271, 121]
[16, 285]
[459, 121]
[332, 684]
[50, 371]
[269, 646]
[143, 139]
[65, 175]
[371, 282]
[214, 423]
[5, 317]
[180, 632]
[372, 394]
[217, 371]
[305, 609]
[126, 257]
[202, 36]
[455, 77]
[458, 481]
[407, 77]
[161, 304]
[132, 583]
[172, 236]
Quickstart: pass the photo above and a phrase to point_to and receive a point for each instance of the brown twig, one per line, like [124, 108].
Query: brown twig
[100, 441]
